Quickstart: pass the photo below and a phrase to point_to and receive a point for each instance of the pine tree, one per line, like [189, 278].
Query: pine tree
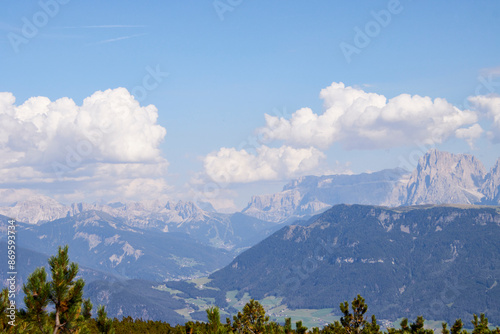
[36, 299]
[5, 327]
[274, 328]
[372, 327]
[355, 321]
[445, 328]
[418, 325]
[63, 293]
[253, 319]
[288, 325]
[457, 327]
[315, 330]
[104, 325]
[299, 328]
[404, 325]
[214, 324]
[480, 324]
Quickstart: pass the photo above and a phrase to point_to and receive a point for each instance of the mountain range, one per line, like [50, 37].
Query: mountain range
[231, 232]
[119, 245]
[310, 195]
[439, 178]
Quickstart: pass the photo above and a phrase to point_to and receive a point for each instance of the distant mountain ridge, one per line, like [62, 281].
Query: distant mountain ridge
[42, 209]
[231, 232]
[310, 195]
[439, 178]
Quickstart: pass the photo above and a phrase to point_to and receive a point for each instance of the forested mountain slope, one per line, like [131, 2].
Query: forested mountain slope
[442, 262]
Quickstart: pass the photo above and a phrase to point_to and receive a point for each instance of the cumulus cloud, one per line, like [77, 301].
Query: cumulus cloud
[110, 141]
[470, 134]
[353, 118]
[489, 105]
[230, 165]
[9, 196]
[360, 120]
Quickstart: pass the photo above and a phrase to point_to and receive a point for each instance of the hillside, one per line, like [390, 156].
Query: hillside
[101, 242]
[441, 262]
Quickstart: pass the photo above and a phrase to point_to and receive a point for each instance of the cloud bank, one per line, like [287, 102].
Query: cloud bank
[108, 146]
[230, 165]
[355, 119]
[361, 120]
[489, 106]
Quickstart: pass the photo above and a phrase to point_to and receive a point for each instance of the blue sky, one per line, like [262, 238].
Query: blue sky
[229, 63]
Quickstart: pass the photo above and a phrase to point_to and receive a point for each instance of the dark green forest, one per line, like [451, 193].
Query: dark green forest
[57, 306]
[305, 263]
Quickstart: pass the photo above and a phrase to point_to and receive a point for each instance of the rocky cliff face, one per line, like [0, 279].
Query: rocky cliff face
[231, 232]
[41, 209]
[35, 209]
[442, 177]
[310, 195]
[491, 186]
[274, 207]
[439, 178]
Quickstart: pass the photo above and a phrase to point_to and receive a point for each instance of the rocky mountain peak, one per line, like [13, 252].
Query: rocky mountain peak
[491, 186]
[38, 209]
[443, 177]
[300, 181]
[274, 207]
[35, 209]
[310, 195]
[439, 178]
[188, 210]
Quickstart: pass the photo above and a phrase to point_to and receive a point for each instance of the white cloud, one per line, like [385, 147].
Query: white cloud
[231, 165]
[470, 134]
[9, 196]
[109, 144]
[353, 118]
[121, 38]
[490, 106]
[339, 168]
[361, 120]
[202, 190]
